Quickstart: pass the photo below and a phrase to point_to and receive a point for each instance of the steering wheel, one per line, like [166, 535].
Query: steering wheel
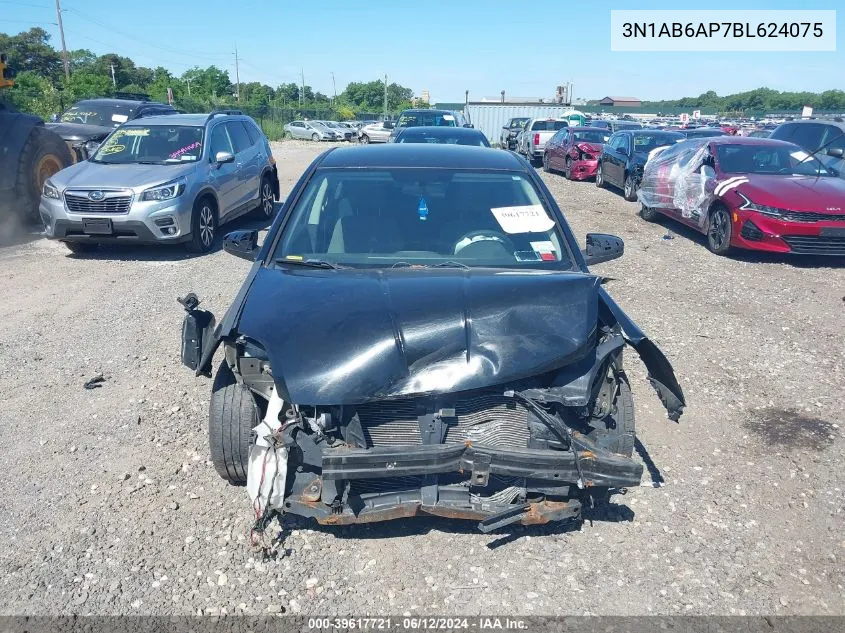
[480, 236]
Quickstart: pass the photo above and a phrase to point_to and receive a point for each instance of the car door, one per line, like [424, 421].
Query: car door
[224, 177]
[613, 160]
[555, 149]
[246, 160]
[298, 129]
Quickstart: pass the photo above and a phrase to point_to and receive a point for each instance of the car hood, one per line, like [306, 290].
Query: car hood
[80, 131]
[89, 175]
[349, 336]
[797, 193]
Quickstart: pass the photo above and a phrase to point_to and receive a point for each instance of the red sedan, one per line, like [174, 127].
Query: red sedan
[575, 151]
[751, 193]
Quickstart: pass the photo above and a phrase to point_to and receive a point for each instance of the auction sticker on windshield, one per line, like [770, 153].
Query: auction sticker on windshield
[531, 218]
[119, 118]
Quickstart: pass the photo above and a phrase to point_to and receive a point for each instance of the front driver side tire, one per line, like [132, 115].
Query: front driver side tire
[232, 414]
[719, 230]
[629, 190]
[203, 226]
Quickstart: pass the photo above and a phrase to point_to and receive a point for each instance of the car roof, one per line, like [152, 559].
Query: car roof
[198, 120]
[438, 130]
[747, 140]
[126, 102]
[422, 155]
[584, 128]
[434, 110]
[834, 122]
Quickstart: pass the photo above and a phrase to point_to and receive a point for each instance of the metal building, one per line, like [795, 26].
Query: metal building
[490, 118]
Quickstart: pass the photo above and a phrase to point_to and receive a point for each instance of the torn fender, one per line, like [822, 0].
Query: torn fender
[660, 372]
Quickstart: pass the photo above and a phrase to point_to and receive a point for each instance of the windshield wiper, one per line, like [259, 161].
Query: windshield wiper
[311, 263]
[449, 264]
[149, 162]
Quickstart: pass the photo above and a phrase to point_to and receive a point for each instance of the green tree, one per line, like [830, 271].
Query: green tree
[30, 51]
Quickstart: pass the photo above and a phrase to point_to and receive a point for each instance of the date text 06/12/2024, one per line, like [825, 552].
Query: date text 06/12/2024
[417, 623]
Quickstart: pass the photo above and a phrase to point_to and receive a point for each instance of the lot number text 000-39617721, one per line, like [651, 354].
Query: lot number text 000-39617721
[710, 30]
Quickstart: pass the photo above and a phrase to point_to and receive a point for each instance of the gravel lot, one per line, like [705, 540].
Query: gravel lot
[110, 505]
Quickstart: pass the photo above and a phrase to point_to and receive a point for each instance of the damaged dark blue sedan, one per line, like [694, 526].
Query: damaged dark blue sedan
[420, 334]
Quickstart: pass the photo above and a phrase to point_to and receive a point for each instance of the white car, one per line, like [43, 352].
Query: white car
[377, 132]
[310, 130]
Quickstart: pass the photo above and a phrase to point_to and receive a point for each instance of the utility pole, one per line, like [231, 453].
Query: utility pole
[65, 60]
[113, 80]
[385, 97]
[237, 74]
[302, 90]
[334, 88]
[188, 81]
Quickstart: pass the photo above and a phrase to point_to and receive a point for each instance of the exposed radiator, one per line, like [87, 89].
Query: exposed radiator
[488, 419]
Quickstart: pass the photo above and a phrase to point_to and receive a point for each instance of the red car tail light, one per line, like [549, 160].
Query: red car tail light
[536, 139]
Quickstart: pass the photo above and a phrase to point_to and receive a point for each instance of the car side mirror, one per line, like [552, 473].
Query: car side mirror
[468, 125]
[224, 157]
[602, 247]
[243, 244]
[836, 152]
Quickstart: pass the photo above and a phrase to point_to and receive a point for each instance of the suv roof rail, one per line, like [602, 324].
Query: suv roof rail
[134, 96]
[215, 113]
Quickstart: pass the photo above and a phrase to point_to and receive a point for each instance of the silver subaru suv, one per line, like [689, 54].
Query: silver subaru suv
[163, 179]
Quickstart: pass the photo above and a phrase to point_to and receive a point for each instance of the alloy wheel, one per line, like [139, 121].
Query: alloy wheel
[206, 226]
[719, 232]
[267, 199]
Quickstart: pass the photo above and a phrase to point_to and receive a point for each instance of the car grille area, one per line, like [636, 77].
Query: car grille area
[815, 244]
[813, 216]
[111, 202]
[485, 419]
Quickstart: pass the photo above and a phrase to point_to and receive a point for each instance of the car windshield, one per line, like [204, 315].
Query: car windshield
[451, 138]
[396, 217]
[517, 124]
[645, 142]
[423, 119]
[540, 126]
[151, 144]
[768, 159]
[98, 114]
[590, 137]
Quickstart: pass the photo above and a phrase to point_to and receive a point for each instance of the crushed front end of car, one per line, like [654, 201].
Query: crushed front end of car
[494, 396]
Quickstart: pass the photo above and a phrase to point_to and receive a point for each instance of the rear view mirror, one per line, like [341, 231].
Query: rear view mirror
[54, 118]
[836, 152]
[602, 247]
[243, 244]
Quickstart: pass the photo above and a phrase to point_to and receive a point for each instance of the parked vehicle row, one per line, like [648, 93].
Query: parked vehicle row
[741, 192]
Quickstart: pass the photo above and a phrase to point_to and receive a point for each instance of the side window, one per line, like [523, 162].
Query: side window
[296, 124]
[220, 141]
[835, 138]
[240, 138]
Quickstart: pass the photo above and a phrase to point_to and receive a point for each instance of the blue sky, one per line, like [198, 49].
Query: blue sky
[445, 46]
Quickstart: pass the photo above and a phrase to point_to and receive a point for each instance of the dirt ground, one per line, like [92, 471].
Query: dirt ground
[110, 505]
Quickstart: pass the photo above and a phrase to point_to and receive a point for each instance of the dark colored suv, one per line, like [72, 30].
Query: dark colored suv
[87, 123]
[825, 139]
